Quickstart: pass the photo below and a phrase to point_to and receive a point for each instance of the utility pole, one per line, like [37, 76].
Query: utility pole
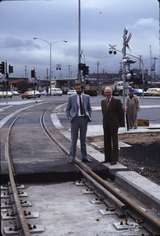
[69, 71]
[154, 67]
[150, 55]
[98, 63]
[159, 38]
[79, 40]
[141, 67]
[25, 71]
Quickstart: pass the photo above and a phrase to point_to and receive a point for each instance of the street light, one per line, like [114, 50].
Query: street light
[50, 55]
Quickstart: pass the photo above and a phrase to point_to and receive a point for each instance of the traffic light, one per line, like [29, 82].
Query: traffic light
[33, 73]
[2, 67]
[84, 69]
[10, 69]
[82, 66]
[87, 70]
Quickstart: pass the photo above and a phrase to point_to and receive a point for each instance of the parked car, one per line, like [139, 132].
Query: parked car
[56, 92]
[31, 94]
[43, 93]
[71, 92]
[138, 91]
[15, 93]
[118, 88]
[4, 94]
[152, 92]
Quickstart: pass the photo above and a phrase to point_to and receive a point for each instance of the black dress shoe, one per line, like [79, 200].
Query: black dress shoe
[71, 161]
[113, 163]
[104, 162]
[86, 160]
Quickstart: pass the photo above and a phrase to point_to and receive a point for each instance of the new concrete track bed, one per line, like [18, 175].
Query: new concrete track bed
[66, 193]
[65, 209]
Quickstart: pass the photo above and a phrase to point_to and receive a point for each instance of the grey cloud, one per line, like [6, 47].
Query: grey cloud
[102, 23]
[17, 43]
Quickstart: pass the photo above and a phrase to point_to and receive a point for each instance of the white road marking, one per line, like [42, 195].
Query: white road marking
[4, 108]
[98, 108]
[4, 120]
[19, 102]
[56, 121]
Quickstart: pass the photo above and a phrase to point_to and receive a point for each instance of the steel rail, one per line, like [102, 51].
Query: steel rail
[43, 125]
[119, 194]
[109, 195]
[122, 196]
[11, 172]
[106, 193]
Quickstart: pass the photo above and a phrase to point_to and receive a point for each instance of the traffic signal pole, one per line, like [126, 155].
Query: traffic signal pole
[159, 36]
[79, 41]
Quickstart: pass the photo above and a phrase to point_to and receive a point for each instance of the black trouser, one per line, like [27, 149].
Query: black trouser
[111, 143]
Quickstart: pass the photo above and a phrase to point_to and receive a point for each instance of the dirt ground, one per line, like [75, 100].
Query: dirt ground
[130, 138]
[152, 173]
[140, 138]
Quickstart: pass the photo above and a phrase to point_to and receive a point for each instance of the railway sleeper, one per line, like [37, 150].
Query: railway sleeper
[8, 204]
[7, 194]
[33, 228]
[6, 187]
[8, 215]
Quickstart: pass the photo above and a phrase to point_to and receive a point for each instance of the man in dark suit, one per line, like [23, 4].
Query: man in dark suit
[113, 118]
[78, 111]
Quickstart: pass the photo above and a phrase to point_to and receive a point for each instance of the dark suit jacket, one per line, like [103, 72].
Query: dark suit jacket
[113, 114]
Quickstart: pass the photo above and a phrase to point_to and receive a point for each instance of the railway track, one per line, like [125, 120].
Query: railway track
[13, 209]
[13, 205]
[107, 191]
[126, 204]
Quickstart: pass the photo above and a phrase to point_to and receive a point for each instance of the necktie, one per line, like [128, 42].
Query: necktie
[107, 101]
[81, 105]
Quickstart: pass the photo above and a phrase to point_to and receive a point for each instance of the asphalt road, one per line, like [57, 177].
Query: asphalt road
[150, 107]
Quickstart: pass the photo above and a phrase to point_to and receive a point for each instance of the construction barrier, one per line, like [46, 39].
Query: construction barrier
[142, 122]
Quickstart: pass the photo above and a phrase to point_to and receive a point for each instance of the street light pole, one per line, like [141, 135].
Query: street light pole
[50, 57]
[50, 65]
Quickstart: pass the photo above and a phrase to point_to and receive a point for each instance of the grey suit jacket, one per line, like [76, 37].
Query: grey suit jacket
[72, 107]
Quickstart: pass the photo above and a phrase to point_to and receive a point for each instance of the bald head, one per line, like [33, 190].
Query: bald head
[108, 92]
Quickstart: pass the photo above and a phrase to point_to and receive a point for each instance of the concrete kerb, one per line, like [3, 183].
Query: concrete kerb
[142, 188]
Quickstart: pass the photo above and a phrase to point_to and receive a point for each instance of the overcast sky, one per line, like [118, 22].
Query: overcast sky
[103, 22]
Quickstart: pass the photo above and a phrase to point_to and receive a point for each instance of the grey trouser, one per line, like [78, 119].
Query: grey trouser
[78, 123]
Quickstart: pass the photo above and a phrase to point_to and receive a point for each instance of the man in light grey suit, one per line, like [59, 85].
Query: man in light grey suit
[78, 111]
